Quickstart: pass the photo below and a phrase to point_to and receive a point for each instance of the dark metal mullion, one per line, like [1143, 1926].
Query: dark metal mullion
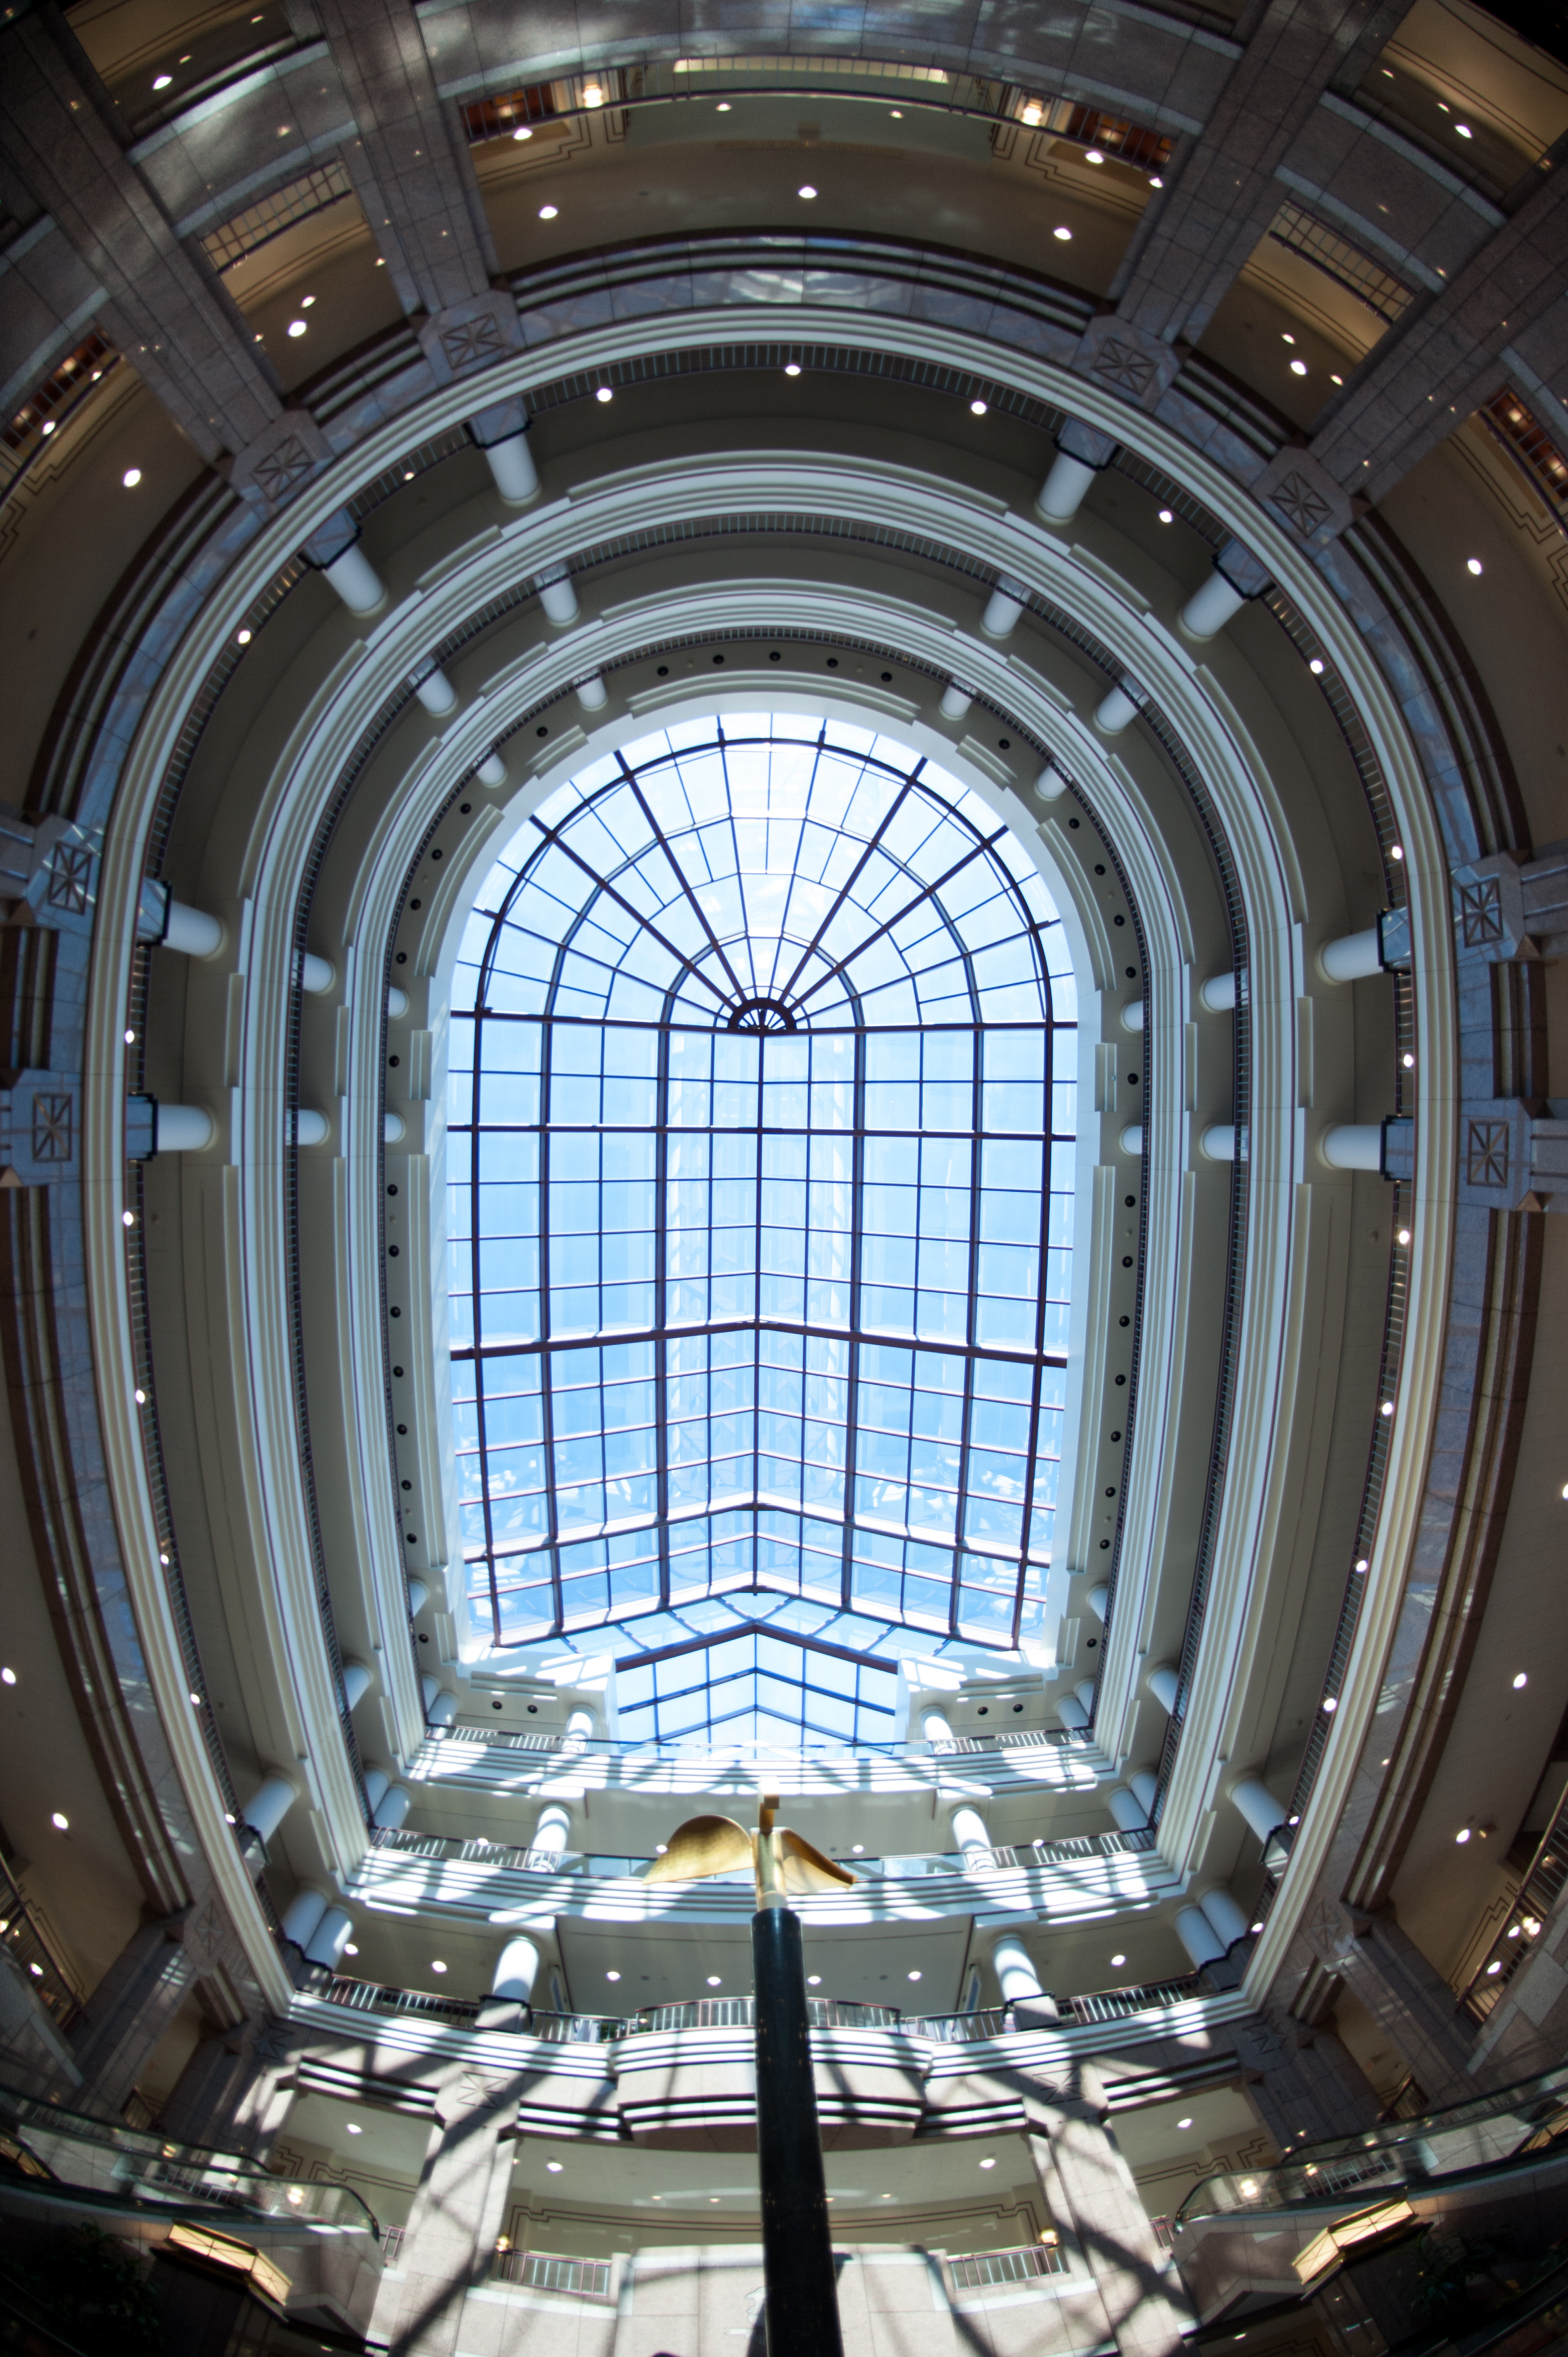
[695, 904]
[926, 892]
[850, 881]
[1046, 1149]
[976, 1108]
[474, 1241]
[734, 1326]
[757, 1339]
[620, 900]
[852, 1372]
[660, 1312]
[547, 1414]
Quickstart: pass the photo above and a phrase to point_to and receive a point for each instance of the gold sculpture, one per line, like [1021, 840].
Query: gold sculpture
[783, 1864]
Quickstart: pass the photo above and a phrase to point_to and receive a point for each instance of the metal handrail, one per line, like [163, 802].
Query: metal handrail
[1544, 1881]
[511, 1858]
[50, 1980]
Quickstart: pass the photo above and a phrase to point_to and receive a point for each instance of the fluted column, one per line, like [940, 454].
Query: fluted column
[1090, 2194]
[457, 2214]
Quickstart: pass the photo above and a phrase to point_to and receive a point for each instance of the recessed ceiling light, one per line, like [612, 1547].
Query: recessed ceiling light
[791, 367]
[1184, 2124]
[814, 1980]
[1387, 1408]
[897, 113]
[1316, 666]
[1168, 515]
[548, 212]
[1463, 130]
[1064, 233]
[162, 81]
[523, 134]
[1117, 1963]
[857, 1849]
[1409, 1063]
[988, 2163]
[915, 1977]
[604, 392]
[1330, 1703]
[242, 637]
[61, 1823]
[1396, 851]
[349, 1948]
[140, 1397]
[1523, 1680]
[1336, 380]
[978, 408]
[1473, 565]
[436, 1966]
[48, 426]
[355, 2129]
[131, 478]
[1462, 1835]
[127, 1219]
[612, 1977]
[723, 109]
[593, 95]
[1256, 1928]
[716, 1980]
[296, 327]
[306, 301]
[1361, 1560]
[1298, 368]
[555, 2167]
[1156, 181]
[8, 1675]
[1092, 156]
[808, 192]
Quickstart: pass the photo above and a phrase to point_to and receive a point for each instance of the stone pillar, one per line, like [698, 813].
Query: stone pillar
[1306, 2084]
[129, 2009]
[1407, 1996]
[458, 2211]
[1090, 2192]
[201, 2108]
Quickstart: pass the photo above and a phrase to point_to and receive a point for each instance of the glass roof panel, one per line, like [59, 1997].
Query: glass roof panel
[762, 1106]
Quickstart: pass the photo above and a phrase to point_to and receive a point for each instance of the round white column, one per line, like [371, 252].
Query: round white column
[394, 1129]
[1002, 612]
[268, 1805]
[1132, 1139]
[517, 1968]
[1052, 784]
[559, 600]
[1145, 1788]
[310, 1127]
[418, 1598]
[1015, 1969]
[317, 974]
[968, 1830]
[1198, 1937]
[492, 770]
[436, 691]
[376, 1782]
[1128, 1810]
[329, 1938]
[579, 1724]
[592, 693]
[356, 580]
[937, 1727]
[1085, 1693]
[956, 701]
[1218, 993]
[1133, 1015]
[1116, 711]
[1353, 1146]
[192, 932]
[1225, 1915]
[183, 1129]
[1061, 494]
[1209, 609]
[303, 1914]
[553, 1834]
[510, 463]
[1161, 1682]
[1071, 1712]
[1253, 1797]
[1351, 957]
[440, 1705]
[357, 1682]
[1220, 1141]
[397, 1001]
[1099, 1603]
[393, 1806]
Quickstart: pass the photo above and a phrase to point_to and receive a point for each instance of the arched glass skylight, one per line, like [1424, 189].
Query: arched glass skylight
[763, 1102]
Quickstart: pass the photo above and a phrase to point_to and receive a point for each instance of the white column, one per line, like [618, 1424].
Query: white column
[956, 701]
[1071, 1712]
[1351, 957]
[1132, 1139]
[559, 600]
[968, 1830]
[440, 1705]
[1001, 614]
[1085, 1693]
[1352, 1145]
[1133, 1015]
[310, 1127]
[1099, 1603]
[393, 1806]
[268, 1805]
[553, 1834]
[418, 1596]
[579, 1724]
[357, 1682]
[1161, 1682]
[392, 1128]
[1128, 1811]
[436, 691]
[511, 464]
[1253, 1797]
[1145, 1788]
[937, 1727]
[1116, 711]
[1198, 1937]
[592, 693]
[317, 974]
[1226, 1916]
[1061, 494]
[356, 580]
[329, 1938]
[1052, 784]
[183, 1129]
[1221, 1139]
[302, 1915]
[1209, 609]
[376, 1782]
[517, 1968]
[192, 932]
[492, 770]
[397, 1001]
[1218, 993]
[1011, 1962]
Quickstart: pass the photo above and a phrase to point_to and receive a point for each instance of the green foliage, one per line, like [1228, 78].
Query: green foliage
[1455, 2276]
[96, 2291]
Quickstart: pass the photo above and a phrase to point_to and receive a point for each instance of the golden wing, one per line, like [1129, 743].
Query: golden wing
[702, 1846]
[806, 1868]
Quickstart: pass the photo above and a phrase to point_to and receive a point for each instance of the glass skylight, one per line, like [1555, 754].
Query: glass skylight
[762, 1105]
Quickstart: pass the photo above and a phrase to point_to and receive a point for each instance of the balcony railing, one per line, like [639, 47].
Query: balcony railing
[1525, 1920]
[1018, 1739]
[48, 1979]
[1027, 2264]
[509, 1858]
[543, 2271]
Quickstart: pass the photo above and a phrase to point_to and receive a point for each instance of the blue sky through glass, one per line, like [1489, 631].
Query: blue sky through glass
[762, 1104]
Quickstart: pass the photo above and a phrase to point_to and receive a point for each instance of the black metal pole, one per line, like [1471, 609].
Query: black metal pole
[802, 2309]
